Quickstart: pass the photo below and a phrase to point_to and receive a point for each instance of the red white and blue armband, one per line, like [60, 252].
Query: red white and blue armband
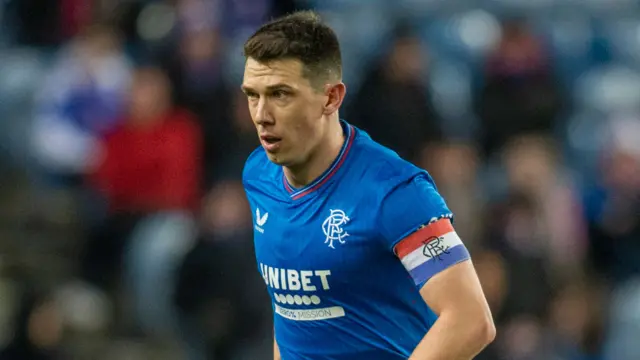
[431, 249]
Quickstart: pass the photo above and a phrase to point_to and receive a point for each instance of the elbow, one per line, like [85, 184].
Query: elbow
[485, 331]
[476, 329]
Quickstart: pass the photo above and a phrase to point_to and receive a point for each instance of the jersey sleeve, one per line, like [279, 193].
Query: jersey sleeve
[417, 226]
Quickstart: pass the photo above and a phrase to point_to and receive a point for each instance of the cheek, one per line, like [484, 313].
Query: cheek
[299, 122]
[307, 129]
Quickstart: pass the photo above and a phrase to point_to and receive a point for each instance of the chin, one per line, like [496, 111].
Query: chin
[281, 160]
[276, 158]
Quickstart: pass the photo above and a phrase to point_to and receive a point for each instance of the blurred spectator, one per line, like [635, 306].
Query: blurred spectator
[393, 105]
[38, 330]
[514, 230]
[81, 99]
[220, 294]
[534, 171]
[614, 203]
[150, 165]
[520, 94]
[535, 226]
[614, 224]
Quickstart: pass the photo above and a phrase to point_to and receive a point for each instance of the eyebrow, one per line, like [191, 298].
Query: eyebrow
[270, 88]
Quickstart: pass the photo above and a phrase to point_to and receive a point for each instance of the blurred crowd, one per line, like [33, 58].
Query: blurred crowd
[124, 230]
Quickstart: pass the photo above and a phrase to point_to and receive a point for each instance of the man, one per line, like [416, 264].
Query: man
[355, 244]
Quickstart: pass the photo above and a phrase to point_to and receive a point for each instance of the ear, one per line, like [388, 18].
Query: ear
[335, 95]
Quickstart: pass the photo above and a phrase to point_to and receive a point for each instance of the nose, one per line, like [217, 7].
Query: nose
[263, 114]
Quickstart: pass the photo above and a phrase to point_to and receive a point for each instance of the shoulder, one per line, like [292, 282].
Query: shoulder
[381, 168]
[405, 196]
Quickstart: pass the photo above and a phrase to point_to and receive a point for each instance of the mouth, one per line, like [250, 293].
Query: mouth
[270, 142]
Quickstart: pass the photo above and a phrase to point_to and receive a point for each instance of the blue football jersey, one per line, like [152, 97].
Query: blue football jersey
[344, 257]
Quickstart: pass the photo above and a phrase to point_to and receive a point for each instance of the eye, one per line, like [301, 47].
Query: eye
[251, 94]
[279, 94]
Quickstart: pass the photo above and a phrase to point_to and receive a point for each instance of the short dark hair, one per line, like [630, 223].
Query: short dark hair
[302, 36]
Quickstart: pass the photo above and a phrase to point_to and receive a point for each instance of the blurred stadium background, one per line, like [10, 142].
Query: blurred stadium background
[124, 232]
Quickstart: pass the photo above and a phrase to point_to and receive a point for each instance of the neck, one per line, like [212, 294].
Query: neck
[320, 160]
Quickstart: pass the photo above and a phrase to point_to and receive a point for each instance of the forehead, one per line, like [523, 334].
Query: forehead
[259, 75]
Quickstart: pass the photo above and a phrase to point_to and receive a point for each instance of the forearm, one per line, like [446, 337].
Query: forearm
[454, 338]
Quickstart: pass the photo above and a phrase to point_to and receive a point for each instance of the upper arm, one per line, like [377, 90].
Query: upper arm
[416, 225]
[457, 289]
